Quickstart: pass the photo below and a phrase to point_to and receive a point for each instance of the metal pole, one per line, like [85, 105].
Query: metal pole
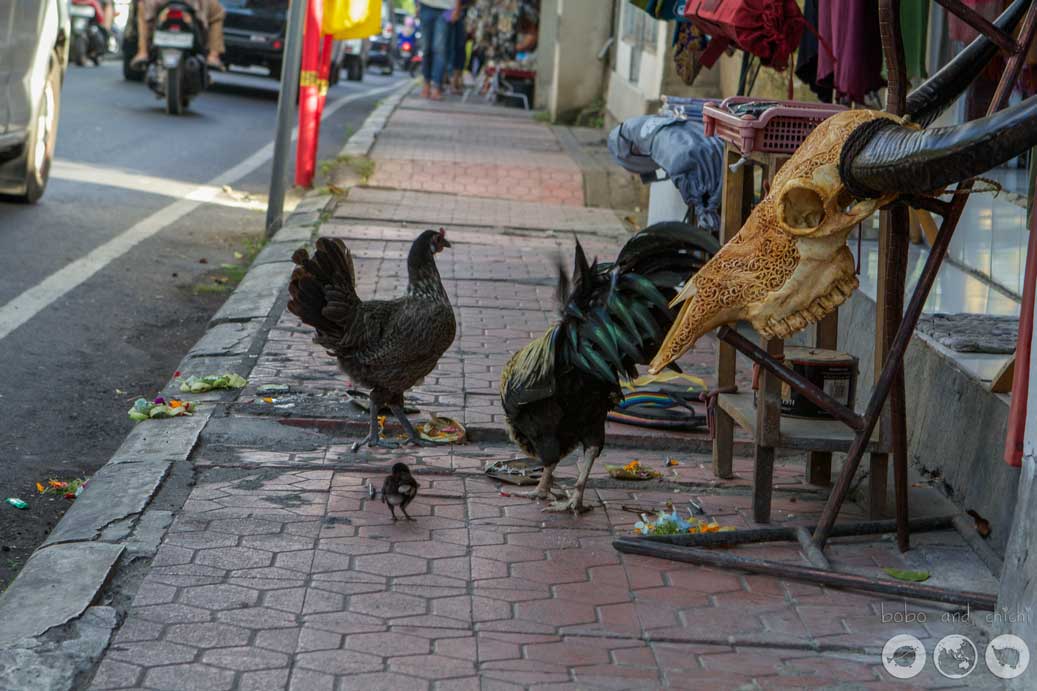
[285, 115]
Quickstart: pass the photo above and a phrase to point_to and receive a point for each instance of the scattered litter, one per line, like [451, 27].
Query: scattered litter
[273, 388]
[504, 494]
[159, 408]
[905, 575]
[120, 392]
[442, 430]
[17, 503]
[515, 471]
[672, 463]
[671, 523]
[203, 260]
[632, 471]
[69, 489]
[239, 255]
[267, 399]
[210, 382]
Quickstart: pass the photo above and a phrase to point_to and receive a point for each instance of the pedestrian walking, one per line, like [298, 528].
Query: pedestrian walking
[436, 16]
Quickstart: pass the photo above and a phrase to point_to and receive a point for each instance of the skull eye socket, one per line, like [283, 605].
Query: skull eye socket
[802, 209]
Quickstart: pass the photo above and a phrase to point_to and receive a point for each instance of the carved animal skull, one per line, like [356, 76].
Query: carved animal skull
[789, 265]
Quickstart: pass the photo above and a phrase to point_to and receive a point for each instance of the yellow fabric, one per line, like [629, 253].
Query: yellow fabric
[346, 19]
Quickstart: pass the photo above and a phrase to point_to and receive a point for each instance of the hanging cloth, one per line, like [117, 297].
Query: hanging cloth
[914, 27]
[769, 29]
[960, 31]
[851, 28]
[806, 56]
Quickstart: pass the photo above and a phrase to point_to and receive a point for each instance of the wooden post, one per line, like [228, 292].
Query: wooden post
[768, 434]
[819, 463]
[737, 200]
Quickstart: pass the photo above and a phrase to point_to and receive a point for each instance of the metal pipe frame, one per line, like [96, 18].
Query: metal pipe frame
[809, 574]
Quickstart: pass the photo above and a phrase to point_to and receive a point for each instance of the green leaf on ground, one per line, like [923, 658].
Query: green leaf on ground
[905, 575]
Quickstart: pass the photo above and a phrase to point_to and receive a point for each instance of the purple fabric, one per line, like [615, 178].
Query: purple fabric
[851, 29]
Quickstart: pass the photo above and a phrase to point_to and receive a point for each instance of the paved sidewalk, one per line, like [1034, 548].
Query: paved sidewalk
[278, 572]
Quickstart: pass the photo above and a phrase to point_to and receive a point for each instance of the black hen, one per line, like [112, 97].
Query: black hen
[558, 390]
[385, 345]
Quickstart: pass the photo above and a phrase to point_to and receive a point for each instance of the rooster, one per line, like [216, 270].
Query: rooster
[558, 390]
[385, 345]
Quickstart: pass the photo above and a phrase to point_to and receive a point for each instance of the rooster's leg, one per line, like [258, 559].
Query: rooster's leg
[544, 488]
[412, 434]
[373, 438]
[575, 502]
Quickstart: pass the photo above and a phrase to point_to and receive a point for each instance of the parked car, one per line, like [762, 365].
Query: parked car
[381, 49]
[34, 44]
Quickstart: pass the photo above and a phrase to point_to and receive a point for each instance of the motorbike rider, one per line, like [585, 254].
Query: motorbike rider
[210, 12]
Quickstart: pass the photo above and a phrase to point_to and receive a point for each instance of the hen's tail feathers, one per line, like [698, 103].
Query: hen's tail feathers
[616, 315]
[322, 289]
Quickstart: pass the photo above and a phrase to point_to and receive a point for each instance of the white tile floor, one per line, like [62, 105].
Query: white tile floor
[955, 291]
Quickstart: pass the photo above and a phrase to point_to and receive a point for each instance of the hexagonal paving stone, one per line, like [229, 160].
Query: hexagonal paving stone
[115, 675]
[152, 653]
[257, 618]
[245, 526]
[385, 681]
[431, 666]
[184, 677]
[338, 662]
[234, 558]
[555, 612]
[266, 680]
[219, 596]
[389, 605]
[387, 643]
[391, 564]
[208, 634]
[244, 659]
[171, 614]
[345, 622]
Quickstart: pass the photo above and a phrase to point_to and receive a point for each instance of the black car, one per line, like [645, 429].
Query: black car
[254, 32]
[34, 42]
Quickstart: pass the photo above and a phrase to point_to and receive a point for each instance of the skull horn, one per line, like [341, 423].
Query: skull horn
[882, 156]
[936, 94]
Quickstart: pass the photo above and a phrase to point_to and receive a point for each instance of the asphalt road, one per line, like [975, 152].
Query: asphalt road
[72, 369]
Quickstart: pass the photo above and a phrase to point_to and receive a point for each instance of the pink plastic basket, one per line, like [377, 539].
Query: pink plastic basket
[778, 130]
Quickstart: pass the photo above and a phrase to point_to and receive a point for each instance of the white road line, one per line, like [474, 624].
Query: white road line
[34, 300]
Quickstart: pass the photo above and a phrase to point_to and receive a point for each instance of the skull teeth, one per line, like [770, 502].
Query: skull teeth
[816, 311]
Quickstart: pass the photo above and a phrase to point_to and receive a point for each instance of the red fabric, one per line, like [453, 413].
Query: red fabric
[769, 29]
[98, 12]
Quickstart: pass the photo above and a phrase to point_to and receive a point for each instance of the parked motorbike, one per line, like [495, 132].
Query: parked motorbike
[89, 40]
[177, 69]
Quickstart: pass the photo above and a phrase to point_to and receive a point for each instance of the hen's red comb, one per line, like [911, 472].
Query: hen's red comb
[442, 232]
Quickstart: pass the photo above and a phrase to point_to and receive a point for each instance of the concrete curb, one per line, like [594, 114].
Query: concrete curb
[53, 629]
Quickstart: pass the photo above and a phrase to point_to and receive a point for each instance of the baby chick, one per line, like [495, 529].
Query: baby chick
[399, 489]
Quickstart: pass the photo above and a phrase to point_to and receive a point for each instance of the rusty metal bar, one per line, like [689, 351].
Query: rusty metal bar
[726, 560]
[788, 533]
[897, 230]
[796, 380]
[885, 381]
[983, 25]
